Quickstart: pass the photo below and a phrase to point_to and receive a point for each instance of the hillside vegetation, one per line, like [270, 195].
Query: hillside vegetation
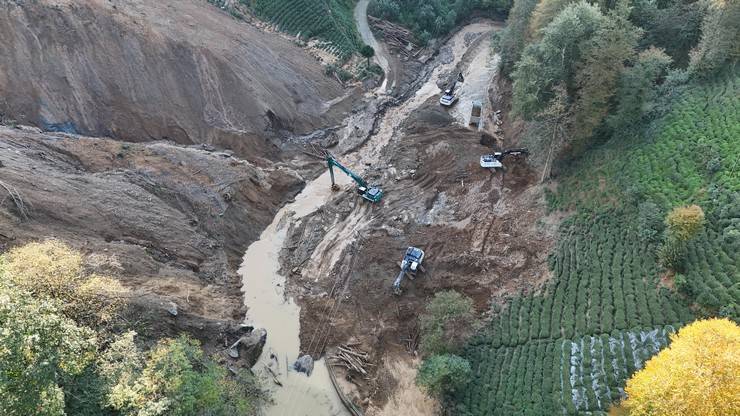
[430, 19]
[330, 21]
[635, 125]
[67, 349]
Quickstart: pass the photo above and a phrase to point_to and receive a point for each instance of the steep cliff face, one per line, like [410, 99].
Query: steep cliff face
[140, 70]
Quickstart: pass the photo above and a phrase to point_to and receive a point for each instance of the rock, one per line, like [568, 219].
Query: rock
[304, 364]
[252, 343]
[171, 308]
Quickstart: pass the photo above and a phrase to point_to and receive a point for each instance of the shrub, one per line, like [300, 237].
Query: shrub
[448, 320]
[52, 270]
[684, 223]
[174, 378]
[40, 350]
[683, 285]
[649, 221]
[443, 373]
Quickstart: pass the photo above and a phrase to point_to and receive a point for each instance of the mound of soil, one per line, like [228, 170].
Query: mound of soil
[147, 70]
[171, 222]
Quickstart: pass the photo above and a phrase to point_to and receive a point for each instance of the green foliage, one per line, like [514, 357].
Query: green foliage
[339, 72]
[649, 222]
[330, 21]
[552, 61]
[40, 351]
[671, 25]
[174, 378]
[720, 39]
[514, 36]
[52, 270]
[368, 52]
[637, 90]
[435, 18]
[446, 323]
[51, 364]
[570, 349]
[443, 373]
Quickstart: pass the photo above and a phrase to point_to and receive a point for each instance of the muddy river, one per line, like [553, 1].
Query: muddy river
[264, 286]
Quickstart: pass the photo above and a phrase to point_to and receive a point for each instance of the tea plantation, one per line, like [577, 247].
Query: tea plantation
[331, 21]
[570, 349]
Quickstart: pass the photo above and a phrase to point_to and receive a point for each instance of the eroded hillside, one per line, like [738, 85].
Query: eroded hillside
[142, 70]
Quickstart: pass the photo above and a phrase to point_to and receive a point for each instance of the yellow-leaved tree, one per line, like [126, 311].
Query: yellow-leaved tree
[697, 375]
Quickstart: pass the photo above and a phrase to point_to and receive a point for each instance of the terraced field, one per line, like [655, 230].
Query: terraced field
[570, 349]
[330, 21]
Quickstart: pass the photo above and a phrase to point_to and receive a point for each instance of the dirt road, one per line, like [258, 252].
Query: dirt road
[381, 53]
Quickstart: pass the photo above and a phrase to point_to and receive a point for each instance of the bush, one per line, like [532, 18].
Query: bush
[443, 373]
[684, 223]
[683, 285]
[649, 221]
[40, 351]
[672, 253]
[52, 270]
[448, 320]
[173, 378]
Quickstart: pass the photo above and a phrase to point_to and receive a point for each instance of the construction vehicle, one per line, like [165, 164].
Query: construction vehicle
[410, 264]
[495, 161]
[449, 97]
[475, 113]
[372, 193]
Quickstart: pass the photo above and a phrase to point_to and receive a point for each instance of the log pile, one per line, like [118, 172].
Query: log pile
[351, 358]
[396, 36]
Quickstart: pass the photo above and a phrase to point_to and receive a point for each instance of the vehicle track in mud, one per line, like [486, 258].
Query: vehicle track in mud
[480, 231]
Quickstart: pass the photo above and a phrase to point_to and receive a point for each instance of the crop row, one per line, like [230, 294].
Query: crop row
[547, 377]
[604, 280]
[328, 20]
[570, 348]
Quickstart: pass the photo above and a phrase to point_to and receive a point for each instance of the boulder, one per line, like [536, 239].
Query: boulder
[304, 364]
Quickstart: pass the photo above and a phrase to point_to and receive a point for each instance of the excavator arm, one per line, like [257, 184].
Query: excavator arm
[331, 162]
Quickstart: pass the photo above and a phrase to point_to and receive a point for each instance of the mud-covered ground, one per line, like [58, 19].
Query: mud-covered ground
[486, 234]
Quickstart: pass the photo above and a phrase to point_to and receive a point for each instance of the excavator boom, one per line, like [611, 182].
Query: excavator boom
[371, 193]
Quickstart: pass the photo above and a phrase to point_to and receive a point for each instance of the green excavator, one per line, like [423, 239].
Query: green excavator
[370, 192]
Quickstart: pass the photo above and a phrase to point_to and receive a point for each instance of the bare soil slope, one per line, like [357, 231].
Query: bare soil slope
[142, 70]
[171, 222]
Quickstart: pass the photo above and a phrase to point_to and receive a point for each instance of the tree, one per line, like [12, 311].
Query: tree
[52, 270]
[553, 60]
[443, 373]
[684, 223]
[40, 351]
[720, 38]
[368, 52]
[543, 14]
[636, 91]
[514, 37]
[174, 378]
[446, 322]
[604, 55]
[695, 375]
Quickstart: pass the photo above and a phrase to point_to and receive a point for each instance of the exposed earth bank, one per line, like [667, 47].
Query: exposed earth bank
[171, 222]
[147, 70]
